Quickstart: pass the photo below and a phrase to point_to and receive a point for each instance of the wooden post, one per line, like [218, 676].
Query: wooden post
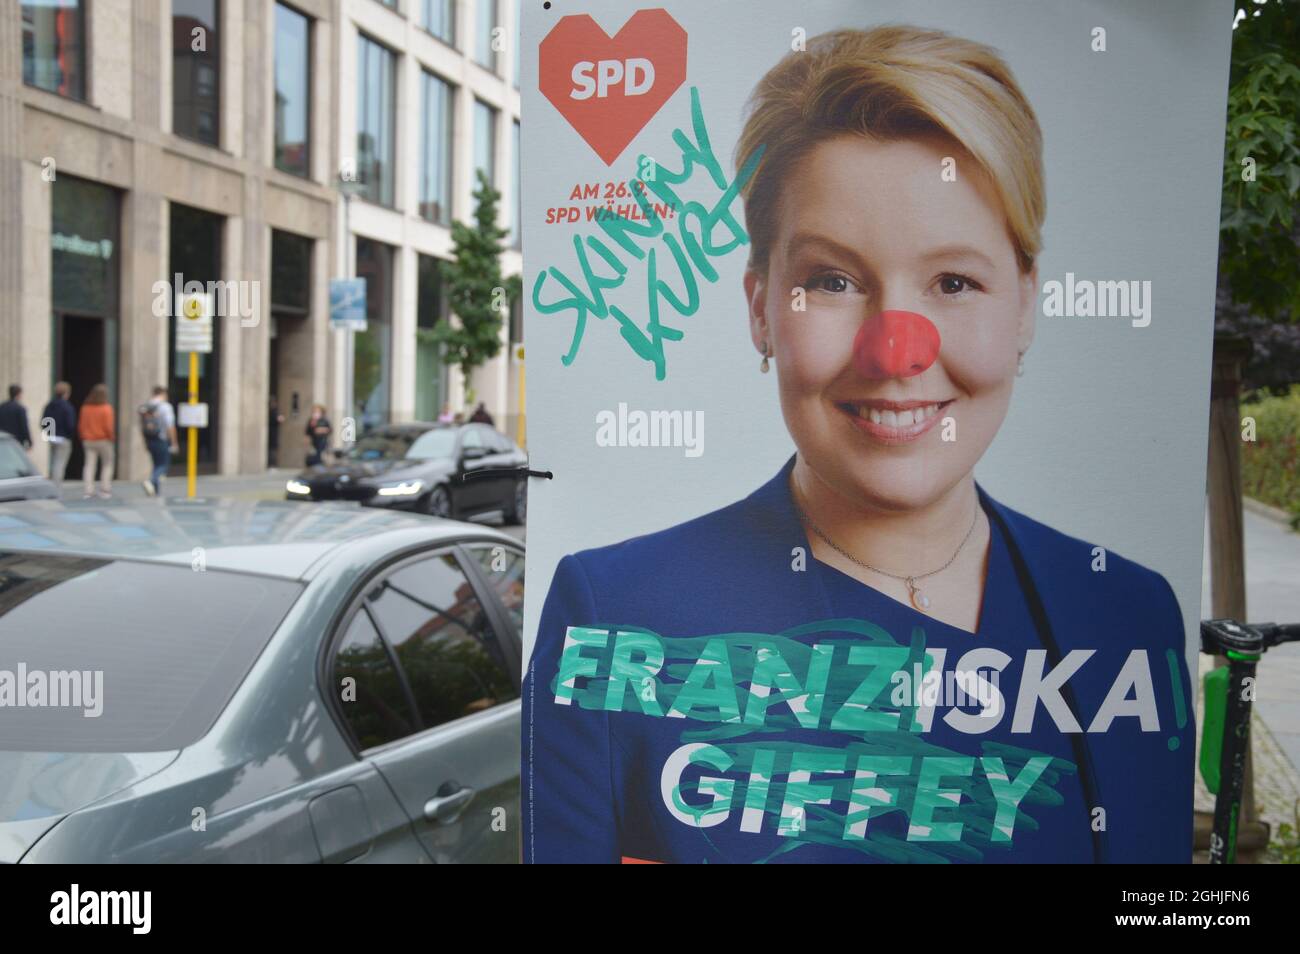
[1227, 542]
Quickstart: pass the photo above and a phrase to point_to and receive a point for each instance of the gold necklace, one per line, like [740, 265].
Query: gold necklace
[919, 599]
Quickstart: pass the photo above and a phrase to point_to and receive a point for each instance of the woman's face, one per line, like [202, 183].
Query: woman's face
[867, 227]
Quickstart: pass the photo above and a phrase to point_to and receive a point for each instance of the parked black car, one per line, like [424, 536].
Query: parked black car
[419, 466]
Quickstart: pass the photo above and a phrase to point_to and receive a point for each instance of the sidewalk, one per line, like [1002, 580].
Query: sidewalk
[265, 486]
[1272, 595]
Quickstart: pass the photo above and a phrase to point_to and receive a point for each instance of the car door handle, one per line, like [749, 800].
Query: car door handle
[447, 808]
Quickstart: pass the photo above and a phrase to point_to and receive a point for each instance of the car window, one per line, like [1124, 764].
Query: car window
[369, 688]
[154, 652]
[433, 445]
[472, 438]
[443, 639]
[13, 462]
[498, 441]
[382, 445]
[503, 568]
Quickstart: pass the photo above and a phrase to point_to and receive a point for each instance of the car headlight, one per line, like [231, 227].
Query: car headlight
[297, 487]
[405, 488]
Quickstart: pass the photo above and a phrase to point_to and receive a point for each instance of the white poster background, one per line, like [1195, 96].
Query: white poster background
[1106, 434]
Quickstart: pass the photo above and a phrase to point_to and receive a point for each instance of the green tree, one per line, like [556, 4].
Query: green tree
[477, 293]
[1259, 257]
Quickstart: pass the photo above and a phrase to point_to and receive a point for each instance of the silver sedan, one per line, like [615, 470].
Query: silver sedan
[256, 682]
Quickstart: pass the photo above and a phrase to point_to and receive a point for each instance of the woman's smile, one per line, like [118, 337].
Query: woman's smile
[893, 422]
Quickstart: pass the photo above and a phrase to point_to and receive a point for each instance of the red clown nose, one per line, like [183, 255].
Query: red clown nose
[895, 344]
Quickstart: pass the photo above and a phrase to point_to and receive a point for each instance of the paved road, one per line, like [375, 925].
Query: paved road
[1272, 595]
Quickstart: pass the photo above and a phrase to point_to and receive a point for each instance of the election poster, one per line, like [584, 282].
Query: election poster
[869, 352]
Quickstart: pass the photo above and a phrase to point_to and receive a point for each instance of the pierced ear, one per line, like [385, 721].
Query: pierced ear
[756, 298]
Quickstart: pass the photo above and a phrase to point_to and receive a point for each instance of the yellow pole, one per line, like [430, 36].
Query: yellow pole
[519, 424]
[192, 439]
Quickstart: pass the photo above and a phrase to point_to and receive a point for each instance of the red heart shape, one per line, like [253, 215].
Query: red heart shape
[609, 109]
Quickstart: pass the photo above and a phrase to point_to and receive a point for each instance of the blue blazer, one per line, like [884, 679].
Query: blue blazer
[590, 795]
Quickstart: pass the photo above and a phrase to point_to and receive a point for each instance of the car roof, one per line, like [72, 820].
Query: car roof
[409, 426]
[283, 539]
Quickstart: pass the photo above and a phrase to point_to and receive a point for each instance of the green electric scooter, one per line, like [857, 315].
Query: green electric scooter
[1225, 732]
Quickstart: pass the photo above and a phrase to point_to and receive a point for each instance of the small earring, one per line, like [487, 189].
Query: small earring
[764, 366]
[1020, 364]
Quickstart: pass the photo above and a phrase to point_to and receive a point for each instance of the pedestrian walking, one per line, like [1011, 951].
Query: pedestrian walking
[97, 429]
[446, 417]
[63, 416]
[318, 435]
[158, 427]
[13, 417]
[481, 416]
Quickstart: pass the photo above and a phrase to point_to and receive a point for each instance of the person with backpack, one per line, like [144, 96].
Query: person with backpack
[97, 429]
[158, 427]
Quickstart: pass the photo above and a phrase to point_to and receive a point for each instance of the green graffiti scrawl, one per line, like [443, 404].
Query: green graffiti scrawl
[691, 250]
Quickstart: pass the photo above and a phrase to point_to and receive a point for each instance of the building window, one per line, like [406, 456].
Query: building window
[435, 168]
[376, 68]
[289, 370]
[485, 140]
[54, 46]
[196, 70]
[517, 320]
[439, 18]
[371, 359]
[290, 274]
[516, 203]
[485, 23]
[195, 256]
[85, 264]
[515, 67]
[431, 308]
[292, 91]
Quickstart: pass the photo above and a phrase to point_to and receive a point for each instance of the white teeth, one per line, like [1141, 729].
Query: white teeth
[904, 418]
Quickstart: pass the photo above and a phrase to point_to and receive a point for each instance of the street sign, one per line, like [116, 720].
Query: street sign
[194, 323]
[192, 415]
[348, 304]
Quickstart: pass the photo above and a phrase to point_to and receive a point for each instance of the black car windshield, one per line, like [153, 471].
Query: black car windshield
[383, 445]
[436, 444]
[13, 462]
[124, 656]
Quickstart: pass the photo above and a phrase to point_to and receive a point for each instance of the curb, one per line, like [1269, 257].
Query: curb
[1266, 510]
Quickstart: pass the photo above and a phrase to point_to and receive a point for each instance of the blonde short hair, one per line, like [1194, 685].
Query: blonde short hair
[891, 83]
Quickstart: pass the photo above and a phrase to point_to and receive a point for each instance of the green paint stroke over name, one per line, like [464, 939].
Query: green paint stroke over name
[736, 692]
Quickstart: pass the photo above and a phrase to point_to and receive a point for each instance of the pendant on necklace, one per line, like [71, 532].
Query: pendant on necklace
[919, 599]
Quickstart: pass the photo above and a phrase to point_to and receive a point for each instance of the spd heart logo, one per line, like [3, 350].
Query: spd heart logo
[607, 87]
